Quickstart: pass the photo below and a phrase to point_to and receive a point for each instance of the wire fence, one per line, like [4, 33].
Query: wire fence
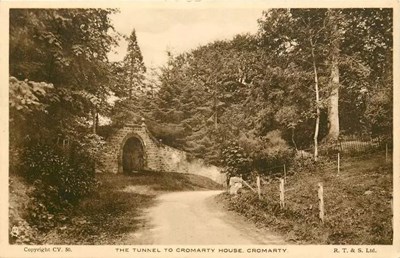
[339, 155]
[344, 159]
[350, 147]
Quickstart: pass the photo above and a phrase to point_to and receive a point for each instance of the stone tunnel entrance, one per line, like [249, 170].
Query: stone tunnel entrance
[132, 148]
[133, 156]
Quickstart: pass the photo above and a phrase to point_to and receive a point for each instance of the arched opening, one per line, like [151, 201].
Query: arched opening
[132, 156]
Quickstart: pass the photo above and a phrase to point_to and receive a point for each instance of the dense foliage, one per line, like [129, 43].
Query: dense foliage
[65, 48]
[59, 181]
[60, 80]
[235, 161]
[308, 77]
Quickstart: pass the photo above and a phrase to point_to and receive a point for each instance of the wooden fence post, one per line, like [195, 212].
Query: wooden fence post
[259, 187]
[284, 172]
[338, 163]
[321, 201]
[282, 193]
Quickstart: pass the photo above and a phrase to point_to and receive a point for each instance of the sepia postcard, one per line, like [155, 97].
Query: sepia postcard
[194, 128]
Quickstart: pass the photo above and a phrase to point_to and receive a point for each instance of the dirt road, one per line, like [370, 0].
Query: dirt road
[195, 218]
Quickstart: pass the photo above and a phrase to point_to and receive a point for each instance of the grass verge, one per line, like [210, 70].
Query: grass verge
[116, 208]
[357, 204]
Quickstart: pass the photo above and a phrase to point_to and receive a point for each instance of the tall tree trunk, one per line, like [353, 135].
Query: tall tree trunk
[317, 102]
[333, 109]
[333, 115]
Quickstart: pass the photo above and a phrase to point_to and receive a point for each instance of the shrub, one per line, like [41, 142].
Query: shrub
[59, 182]
[235, 160]
[23, 233]
[267, 151]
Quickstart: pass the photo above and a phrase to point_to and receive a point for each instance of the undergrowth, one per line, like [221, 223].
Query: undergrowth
[106, 215]
[357, 204]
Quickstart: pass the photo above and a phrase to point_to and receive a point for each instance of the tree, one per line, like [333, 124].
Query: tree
[370, 41]
[132, 70]
[59, 81]
[333, 17]
[134, 87]
[284, 79]
[65, 48]
[26, 101]
[336, 42]
[305, 50]
[202, 93]
[68, 48]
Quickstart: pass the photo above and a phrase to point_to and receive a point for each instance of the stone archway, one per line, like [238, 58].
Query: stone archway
[132, 155]
[144, 153]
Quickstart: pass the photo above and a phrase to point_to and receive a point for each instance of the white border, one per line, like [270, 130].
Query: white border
[6, 250]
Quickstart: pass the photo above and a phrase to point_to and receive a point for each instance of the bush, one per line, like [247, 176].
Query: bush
[23, 233]
[235, 161]
[59, 182]
[267, 151]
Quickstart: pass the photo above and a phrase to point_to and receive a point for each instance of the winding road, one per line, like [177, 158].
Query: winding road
[195, 218]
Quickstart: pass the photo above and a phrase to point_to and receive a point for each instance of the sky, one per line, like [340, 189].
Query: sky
[179, 30]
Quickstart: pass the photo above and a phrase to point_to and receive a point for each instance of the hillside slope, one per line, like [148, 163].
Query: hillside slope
[358, 207]
[116, 208]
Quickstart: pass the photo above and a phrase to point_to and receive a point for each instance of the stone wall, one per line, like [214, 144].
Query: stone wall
[157, 156]
[198, 167]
